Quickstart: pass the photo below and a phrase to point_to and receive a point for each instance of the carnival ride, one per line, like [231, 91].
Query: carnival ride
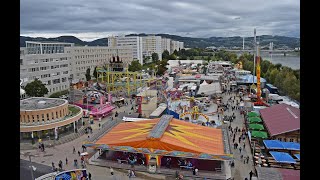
[259, 101]
[124, 81]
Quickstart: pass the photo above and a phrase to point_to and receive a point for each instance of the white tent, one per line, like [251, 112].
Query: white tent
[204, 83]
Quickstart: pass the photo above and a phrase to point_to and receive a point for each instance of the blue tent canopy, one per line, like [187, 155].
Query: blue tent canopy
[291, 146]
[297, 156]
[273, 144]
[282, 157]
[276, 144]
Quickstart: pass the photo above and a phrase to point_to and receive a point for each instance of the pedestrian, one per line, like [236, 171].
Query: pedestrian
[251, 173]
[244, 145]
[89, 176]
[66, 161]
[239, 139]
[52, 164]
[240, 149]
[247, 159]
[111, 171]
[99, 125]
[79, 153]
[241, 157]
[233, 139]
[74, 150]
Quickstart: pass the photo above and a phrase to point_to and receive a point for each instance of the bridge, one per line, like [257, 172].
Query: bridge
[278, 51]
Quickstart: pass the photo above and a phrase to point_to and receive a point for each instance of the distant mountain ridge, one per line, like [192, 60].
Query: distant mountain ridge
[189, 42]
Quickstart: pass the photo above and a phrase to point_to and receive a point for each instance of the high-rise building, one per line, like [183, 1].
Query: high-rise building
[134, 41]
[151, 44]
[47, 62]
[165, 44]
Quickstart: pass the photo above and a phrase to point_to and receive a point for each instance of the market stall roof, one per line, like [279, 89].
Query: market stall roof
[259, 134]
[256, 126]
[252, 114]
[282, 157]
[276, 144]
[281, 118]
[173, 137]
[297, 156]
[291, 146]
[267, 173]
[273, 144]
[254, 119]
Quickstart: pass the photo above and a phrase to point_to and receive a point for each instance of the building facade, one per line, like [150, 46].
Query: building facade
[133, 41]
[165, 45]
[151, 44]
[84, 57]
[55, 63]
[47, 62]
[43, 117]
[176, 45]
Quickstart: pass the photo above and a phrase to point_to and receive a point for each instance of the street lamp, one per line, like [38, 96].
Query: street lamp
[32, 168]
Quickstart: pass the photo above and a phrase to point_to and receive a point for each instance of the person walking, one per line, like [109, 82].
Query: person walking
[89, 176]
[79, 153]
[240, 149]
[66, 161]
[251, 173]
[74, 150]
[244, 145]
[247, 159]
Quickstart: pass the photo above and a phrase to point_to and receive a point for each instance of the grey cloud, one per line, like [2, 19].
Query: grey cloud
[196, 18]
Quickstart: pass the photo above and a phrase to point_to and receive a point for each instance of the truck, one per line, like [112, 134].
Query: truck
[272, 89]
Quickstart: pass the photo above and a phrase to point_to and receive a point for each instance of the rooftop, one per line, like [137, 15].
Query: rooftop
[281, 118]
[37, 103]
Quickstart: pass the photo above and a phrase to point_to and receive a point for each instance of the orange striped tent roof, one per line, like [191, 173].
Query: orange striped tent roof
[178, 136]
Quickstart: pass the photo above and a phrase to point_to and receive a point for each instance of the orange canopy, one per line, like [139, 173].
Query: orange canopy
[178, 136]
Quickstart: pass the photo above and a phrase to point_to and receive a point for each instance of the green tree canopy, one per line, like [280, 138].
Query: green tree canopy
[95, 74]
[36, 89]
[155, 57]
[165, 54]
[88, 76]
[172, 57]
[135, 66]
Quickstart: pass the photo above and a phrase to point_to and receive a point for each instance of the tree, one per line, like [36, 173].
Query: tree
[191, 58]
[172, 57]
[155, 57]
[162, 66]
[95, 74]
[135, 66]
[183, 57]
[175, 52]
[36, 89]
[165, 54]
[88, 76]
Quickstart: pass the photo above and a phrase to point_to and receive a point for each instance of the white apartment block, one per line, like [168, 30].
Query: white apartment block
[47, 62]
[84, 57]
[152, 44]
[134, 41]
[165, 45]
[176, 45]
[54, 63]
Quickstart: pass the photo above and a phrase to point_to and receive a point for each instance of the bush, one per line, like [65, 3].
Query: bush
[58, 94]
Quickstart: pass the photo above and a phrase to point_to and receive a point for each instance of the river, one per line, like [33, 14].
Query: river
[290, 60]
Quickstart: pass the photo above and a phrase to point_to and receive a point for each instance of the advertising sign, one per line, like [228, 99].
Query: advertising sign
[76, 174]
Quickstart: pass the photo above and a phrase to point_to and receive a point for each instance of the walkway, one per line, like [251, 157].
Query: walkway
[240, 170]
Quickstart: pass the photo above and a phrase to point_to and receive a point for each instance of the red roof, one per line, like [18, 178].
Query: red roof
[289, 174]
[281, 118]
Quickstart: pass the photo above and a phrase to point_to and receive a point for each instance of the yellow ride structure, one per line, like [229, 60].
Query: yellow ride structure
[195, 114]
[124, 81]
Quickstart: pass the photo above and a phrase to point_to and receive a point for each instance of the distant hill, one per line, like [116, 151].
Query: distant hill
[189, 42]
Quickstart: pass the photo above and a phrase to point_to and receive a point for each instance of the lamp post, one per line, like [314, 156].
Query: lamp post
[32, 168]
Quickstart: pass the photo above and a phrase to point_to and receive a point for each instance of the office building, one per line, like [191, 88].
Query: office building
[151, 44]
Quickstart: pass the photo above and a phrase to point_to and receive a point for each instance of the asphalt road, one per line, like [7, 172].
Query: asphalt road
[25, 173]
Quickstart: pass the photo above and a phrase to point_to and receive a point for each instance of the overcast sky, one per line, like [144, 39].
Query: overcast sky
[93, 19]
